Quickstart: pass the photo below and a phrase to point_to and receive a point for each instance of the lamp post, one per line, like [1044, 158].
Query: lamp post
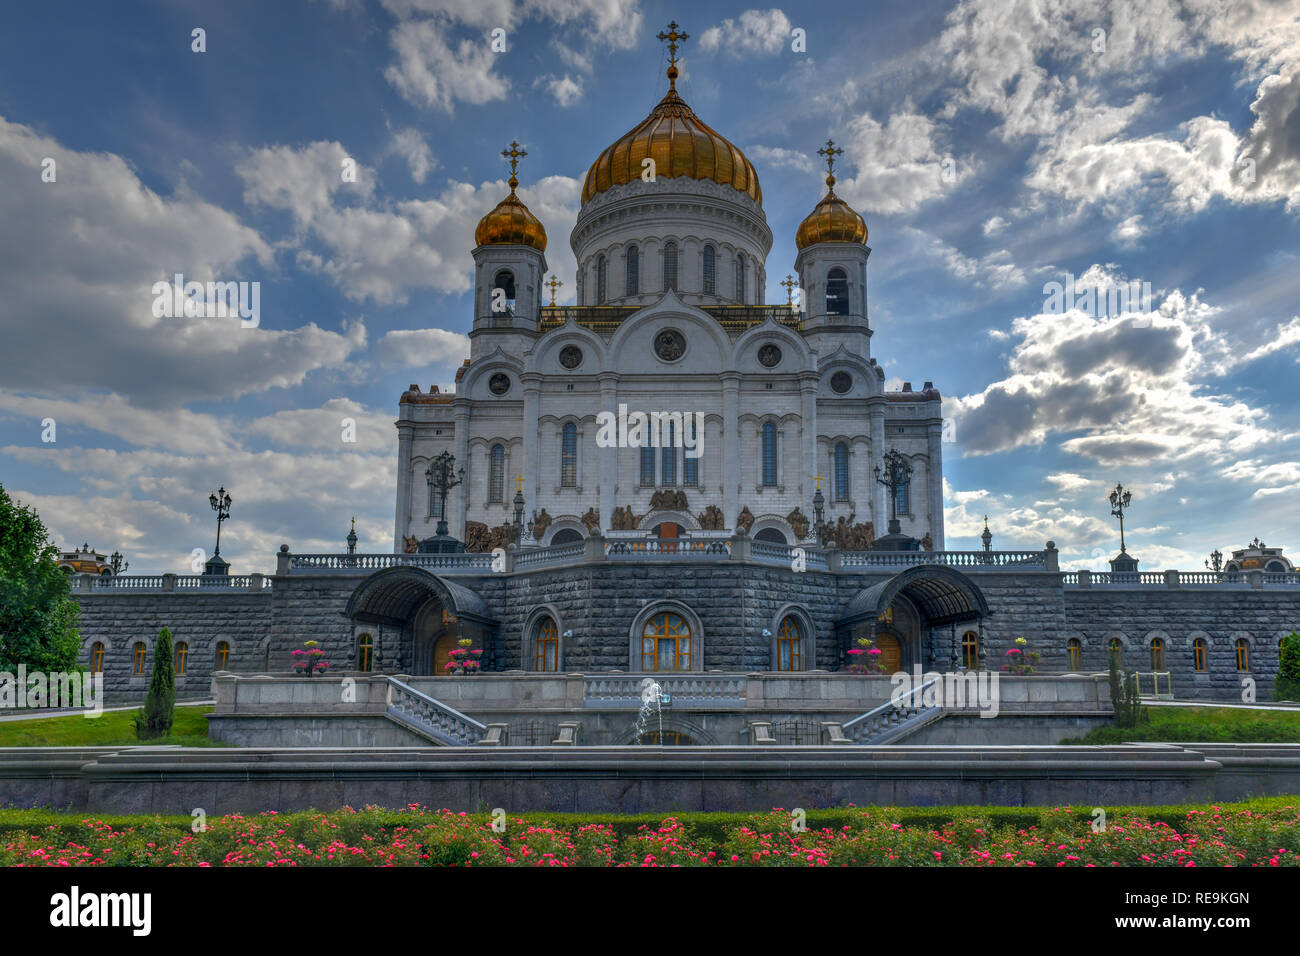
[1215, 563]
[442, 477]
[819, 512]
[896, 475]
[117, 564]
[519, 509]
[1119, 500]
[220, 503]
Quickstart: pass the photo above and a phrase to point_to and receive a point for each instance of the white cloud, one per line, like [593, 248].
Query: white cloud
[776, 157]
[410, 145]
[430, 72]
[899, 165]
[754, 31]
[566, 89]
[417, 348]
[994, 225]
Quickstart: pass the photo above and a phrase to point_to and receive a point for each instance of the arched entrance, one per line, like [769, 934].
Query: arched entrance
[891, 651]
[418, 618]
[918, 611]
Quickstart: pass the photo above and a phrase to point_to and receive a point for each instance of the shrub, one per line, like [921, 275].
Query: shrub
[1287, 685]
[156, 718]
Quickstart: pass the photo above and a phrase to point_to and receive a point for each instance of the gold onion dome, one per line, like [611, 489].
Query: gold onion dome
[511, 222]
[680, 143]
[832, 219]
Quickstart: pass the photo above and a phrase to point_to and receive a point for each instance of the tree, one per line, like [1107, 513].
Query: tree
[1124, 698]
[1287, 685]
[39, 618]
[156, 719]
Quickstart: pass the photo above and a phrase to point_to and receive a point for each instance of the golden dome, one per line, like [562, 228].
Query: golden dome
[832, 220]
[511, 222]
[681, 144]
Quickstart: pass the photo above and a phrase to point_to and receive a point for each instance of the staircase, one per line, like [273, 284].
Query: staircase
[431, 719]
[893, 720]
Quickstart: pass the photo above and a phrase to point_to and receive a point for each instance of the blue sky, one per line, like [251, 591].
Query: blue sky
[993, 146]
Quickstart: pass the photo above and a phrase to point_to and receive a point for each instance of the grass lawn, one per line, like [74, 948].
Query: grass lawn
[1204, 724]
[109, 729]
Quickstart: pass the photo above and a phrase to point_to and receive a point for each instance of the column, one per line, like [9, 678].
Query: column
[879, 511]
[934, 434]
[808, 440]
[402, 519]
[730, 447]
[608, 457]
[532, 384]
[458, 499]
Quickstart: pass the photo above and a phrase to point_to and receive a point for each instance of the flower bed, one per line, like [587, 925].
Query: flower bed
[1260, 833]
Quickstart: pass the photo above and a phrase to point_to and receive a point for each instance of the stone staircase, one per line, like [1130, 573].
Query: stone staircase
[431, 719]
[893, 720]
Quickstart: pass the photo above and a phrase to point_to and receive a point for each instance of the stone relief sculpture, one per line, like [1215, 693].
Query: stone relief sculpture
[624, 520]
[411, 543]
[480, 539]
[745, 519]
[799, 523]
[711, 519]
[591, 519]
[847, 536]
[669, 500]
[540, 523]
[927, 543]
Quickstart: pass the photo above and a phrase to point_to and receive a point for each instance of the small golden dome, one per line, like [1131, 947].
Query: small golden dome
[511, 222]
[681, 144]
[832, 219]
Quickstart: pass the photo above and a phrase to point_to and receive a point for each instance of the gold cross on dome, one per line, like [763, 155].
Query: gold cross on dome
[819, 482]
[553, 284]
[513, 154]
[789, 284]
[830, 151]
[673, 38]
[519, 482]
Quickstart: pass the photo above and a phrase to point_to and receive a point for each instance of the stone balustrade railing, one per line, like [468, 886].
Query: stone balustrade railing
[431, 717]
[1026, 560]
[471, 562]
[1180, 579]
[875, 722]
[626, 691]
[218, 583]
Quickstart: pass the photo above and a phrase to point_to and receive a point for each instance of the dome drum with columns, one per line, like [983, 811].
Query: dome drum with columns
[783, 401]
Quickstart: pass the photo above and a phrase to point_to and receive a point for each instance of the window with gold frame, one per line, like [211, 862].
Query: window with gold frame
[223, 655]
[1198, 654]
[1243, 654]
[97, 657]
[365, 652]
[666, 643]
[1116, 650]
[1074, 647]
[547, 649]
[137, 660]
[182, 657]
[970, 651]
[1157, 654]
[789, 645]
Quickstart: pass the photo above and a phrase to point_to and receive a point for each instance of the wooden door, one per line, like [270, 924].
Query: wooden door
[891, 653]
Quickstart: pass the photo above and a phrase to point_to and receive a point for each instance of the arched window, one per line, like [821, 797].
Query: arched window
[497, 474]
[1116, 650]
[1243, 654]
[666, 643]
[505, 281]
[670, 265]
[837, 292]
[668, 472]
[137, 659]
[970, 651]
[708, 270]
[771, 536]
[789, 645]
[1198, 654]
[182, 657]
[633, 270]
[903, 498]
[569, 456]
[1157, 654]
[435, 502]
[740, 277]
[842, 472]
[690, 463]
[566, 536]
[769, 455]
[223, 655]
[547, 645]
[647, 466]
[601, 275]
[365, 652]
[1075, 652]
[97, 657]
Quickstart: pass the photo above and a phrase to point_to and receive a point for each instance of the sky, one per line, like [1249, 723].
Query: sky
[995, 147]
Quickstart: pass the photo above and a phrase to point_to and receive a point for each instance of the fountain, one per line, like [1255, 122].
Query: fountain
[652, 694]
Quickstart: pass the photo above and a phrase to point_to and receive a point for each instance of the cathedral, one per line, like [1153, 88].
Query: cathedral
[761, 406]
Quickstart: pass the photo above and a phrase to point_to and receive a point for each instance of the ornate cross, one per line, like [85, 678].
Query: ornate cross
[553, 284]
[819, 482]
[789, 284]
[673, 37]
[519, 483]
[830, 151]
[513, 154]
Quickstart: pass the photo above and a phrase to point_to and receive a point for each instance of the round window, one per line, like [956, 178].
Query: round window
[670, 345]
[769, 356]
[570, 356]
[499, 383]
[841, 382]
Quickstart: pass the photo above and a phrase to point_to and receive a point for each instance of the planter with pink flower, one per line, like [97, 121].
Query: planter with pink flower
[465, 658]
[1021, 661]
[865, 658]
[309, 659]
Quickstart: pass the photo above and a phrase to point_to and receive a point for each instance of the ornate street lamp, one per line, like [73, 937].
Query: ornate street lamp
[819, 512]
[117, 564]
[1215, 563]
[987, 536]
[442, 477]
[352, 538]
[519, 509]
[897, 474]
[1119, 500]
[220, 503]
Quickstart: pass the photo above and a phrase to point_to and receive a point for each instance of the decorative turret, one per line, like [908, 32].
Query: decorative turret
[510, 260]
[832, 260]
